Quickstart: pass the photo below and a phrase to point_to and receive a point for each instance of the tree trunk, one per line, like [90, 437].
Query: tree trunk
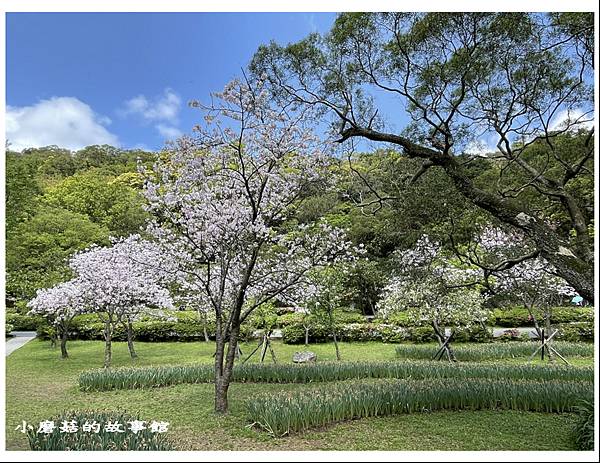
[337, 348]
[306, 336]
[226, 369]
[204, 329]
[220, 386]
[107, 344]
[129, 327]
[63, 343]
[334, 335]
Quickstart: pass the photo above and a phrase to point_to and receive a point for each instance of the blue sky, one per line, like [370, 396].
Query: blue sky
[74, 79]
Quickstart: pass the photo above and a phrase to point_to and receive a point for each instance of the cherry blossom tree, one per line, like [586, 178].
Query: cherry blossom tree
[433, 289]
[532, 282]
[59, 305]
[119, 284]
[222, 204]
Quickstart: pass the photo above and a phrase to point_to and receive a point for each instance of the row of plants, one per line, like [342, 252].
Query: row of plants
[285, 413]
[576, 322]
[174, 326]
[387, 333]
[138, 378]
[364, 332]
[512, 317]
[103, 439]
[503, 317]
[494, 351]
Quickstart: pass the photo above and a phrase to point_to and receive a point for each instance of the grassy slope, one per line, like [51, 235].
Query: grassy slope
[39, 385]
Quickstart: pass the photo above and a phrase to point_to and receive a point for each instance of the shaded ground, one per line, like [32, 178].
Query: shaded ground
[40, 384]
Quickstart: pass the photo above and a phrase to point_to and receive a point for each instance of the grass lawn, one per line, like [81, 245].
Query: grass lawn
[40, 385]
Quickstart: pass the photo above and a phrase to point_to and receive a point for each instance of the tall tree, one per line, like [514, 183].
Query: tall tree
[517, 78]
[220, 203]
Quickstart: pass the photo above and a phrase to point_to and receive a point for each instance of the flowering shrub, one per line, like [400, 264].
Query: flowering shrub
[8, 328]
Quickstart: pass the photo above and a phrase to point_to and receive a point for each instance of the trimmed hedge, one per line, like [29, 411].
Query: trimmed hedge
[576, 332]
[179, 326]
[24, 322]
[388, 333]
[519, 316]
[341, 317]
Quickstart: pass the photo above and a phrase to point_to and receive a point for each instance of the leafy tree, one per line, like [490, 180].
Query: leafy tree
[22, 188]
[105, 200]
[519, 78]
[37, 249]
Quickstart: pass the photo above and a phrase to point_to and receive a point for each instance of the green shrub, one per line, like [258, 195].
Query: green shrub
[364, 332]
[147, 377]
[519, 316]
[388, 333]
[341, 317]
[293, 318]
[8, 328]
[421, 334]
[144, 439]
[576, 332]
[285, 413]
[584, 427]
[177, 326]
[295, 334]
[494, 351]
[475, 333]
[24, 322]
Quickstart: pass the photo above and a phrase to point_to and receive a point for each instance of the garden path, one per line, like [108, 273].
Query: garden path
[19, 339]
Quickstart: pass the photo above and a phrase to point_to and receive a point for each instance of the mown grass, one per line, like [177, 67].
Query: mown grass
[286, 413]
[146, 377]
[493, 351]
[40, 385]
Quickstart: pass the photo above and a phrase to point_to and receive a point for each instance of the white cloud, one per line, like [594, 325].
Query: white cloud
[63, 121]
[480, 147]
[162, 110]
[573, 119]
[168, 131]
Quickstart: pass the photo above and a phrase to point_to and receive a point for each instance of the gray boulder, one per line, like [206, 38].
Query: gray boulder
[304, 357]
